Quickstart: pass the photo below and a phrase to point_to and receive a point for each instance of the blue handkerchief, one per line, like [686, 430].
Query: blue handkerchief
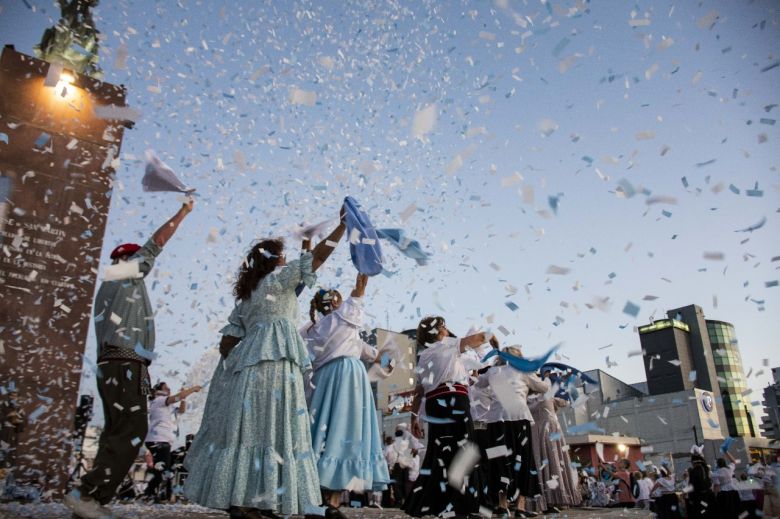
[408, 247]
[365, 251]
[522, 363]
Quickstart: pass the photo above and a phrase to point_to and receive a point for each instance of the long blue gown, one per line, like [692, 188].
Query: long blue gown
[254, 447]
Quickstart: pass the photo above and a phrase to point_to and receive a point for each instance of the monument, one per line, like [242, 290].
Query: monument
[60, 136]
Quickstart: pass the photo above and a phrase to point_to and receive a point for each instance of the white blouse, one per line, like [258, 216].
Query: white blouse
[723, 477]
[508, 390]
[338, 335]
[441, 362]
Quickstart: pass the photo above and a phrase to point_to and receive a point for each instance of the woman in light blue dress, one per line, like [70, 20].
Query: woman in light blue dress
[345, 429]
[253, 454]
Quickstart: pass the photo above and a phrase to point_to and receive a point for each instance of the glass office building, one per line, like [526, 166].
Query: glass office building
[731, 378]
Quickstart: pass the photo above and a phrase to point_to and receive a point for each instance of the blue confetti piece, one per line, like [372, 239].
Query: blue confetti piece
[684, 182]
[734, 189]
[666, 213]
[42, 140]
[439, 421]
[194, 286]
[553, 201]
[770, 284]
[4, 137]
[143, 352]
[631, 309]
[560, 46]
[37, 413]
[755, 191]
[512, 306]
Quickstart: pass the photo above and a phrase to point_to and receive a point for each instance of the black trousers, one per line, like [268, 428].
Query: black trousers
[126, 424]
[161, 453]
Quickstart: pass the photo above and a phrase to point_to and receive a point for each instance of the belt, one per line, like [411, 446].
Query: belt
[121, 354]
[448, 388]
[480, 425]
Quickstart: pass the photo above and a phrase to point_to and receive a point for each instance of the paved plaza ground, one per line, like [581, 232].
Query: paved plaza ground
[139, 511]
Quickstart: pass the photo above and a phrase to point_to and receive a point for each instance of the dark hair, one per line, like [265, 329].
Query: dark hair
[427, 330]
[720, 462]
[322, 303]
[261, 261]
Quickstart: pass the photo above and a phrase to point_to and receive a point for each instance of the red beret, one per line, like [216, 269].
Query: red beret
[126, 249]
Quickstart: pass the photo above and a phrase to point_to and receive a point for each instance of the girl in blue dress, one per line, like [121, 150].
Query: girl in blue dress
[344, 428]
[253, 454]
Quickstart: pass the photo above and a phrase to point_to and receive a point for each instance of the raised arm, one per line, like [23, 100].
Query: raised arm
[474, 341]
[360, 285]
[166, 231]
[325, 247]
[181, 395]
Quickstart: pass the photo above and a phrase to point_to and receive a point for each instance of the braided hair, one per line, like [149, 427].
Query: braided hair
[322, 302]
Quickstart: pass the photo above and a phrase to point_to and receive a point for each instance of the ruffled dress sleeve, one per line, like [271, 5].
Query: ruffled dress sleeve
[235, 326]
[297, 272]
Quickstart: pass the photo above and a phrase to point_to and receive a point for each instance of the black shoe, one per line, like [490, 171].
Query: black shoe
[501, 512]
[530, 514]
[334, 513]
[519, 514]
[552, 510]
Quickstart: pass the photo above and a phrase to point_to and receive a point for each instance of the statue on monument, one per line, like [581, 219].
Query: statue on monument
[73, 42]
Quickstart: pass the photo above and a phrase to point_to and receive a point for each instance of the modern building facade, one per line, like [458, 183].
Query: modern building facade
[731, 378]
[770, 424]
[686, 351]
[666, 424]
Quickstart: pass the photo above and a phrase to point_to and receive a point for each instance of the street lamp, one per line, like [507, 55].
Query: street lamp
[64, 89]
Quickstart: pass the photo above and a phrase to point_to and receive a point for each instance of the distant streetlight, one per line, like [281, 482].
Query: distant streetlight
[65, 89]
[621, 448]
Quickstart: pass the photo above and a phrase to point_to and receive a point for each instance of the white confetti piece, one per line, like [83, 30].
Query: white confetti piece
[122, 270]
[424, 121]
[302, 97]
[462, 464]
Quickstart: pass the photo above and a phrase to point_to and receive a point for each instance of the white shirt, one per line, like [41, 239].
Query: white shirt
[645, 486]
[508, 389]
[414, 469]
[338, 335]
[723, 477]
[162, 421]
[666, 485]
[398, 452]
[480, 400]
[441, 362]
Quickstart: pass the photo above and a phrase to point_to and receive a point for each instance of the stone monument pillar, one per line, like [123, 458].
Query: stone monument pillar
[59, 149]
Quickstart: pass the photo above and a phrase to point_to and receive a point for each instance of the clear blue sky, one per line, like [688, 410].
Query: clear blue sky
[545, 98]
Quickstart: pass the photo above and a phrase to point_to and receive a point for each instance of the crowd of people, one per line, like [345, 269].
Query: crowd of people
[290, 424]
[699, 492]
